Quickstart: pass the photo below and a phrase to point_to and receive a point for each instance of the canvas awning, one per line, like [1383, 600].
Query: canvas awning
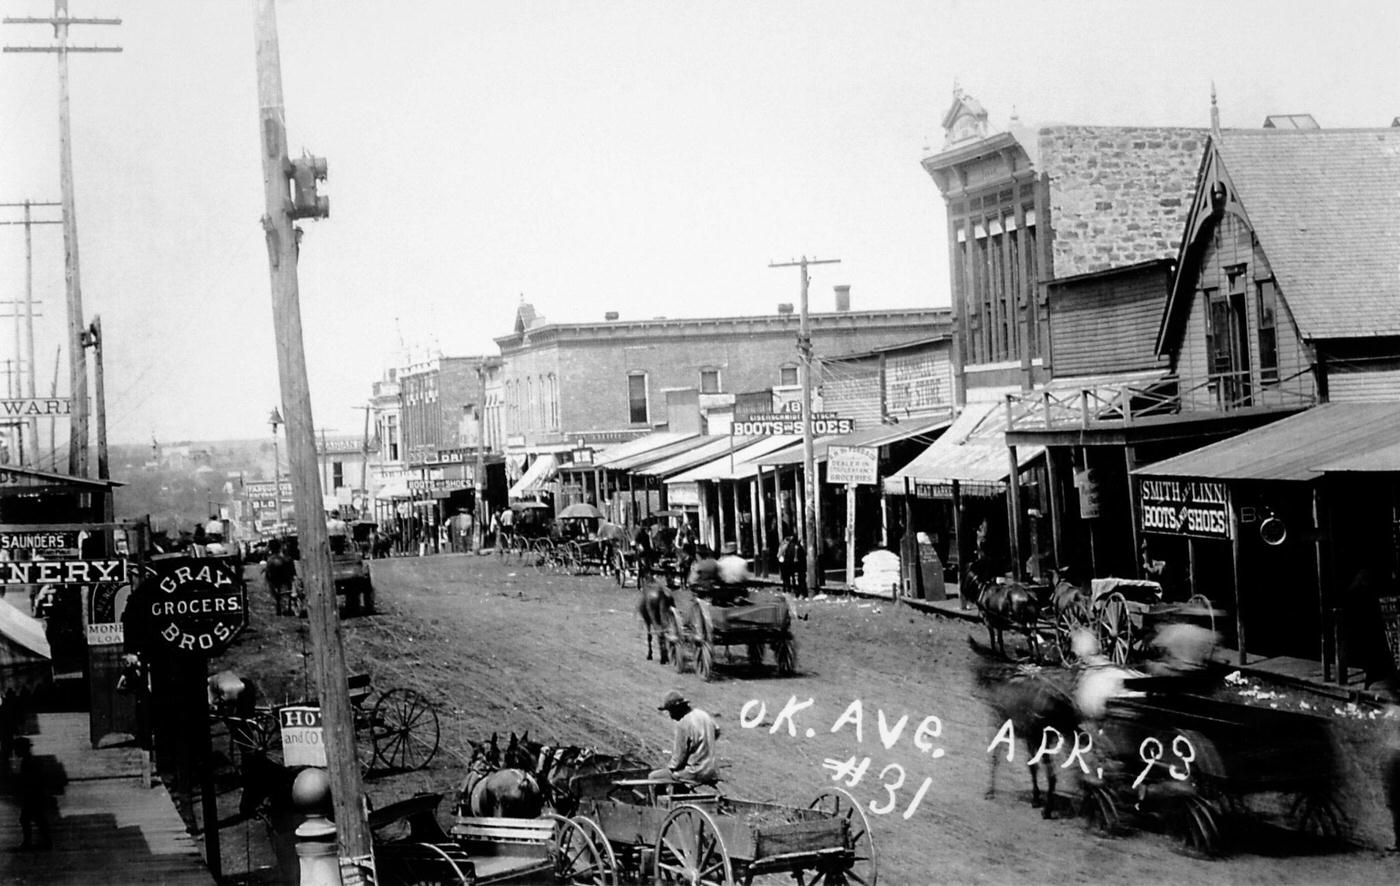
[396, 489]
[652, 456]
[639, 446]
[878, 435]
[536, 476]
[740, 464]
[25, 659]
[713, 448]
[1295, 449]
[972, 451]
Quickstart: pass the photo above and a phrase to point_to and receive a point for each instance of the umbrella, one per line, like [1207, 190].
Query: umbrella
[611, 532]
[582, 510]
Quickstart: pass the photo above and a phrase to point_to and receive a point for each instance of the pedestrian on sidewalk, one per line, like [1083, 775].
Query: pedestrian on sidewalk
[37, 806]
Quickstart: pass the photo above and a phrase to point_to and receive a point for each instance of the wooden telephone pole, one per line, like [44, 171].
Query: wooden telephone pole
[26, 355]
[77, 326]
[809, 465]
[323, 620]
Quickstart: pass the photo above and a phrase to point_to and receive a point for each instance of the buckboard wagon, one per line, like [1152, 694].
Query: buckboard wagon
[714, 840]
[1193, 762]
[756, 620]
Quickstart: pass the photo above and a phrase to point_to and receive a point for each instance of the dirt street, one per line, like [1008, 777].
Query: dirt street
[505, 648]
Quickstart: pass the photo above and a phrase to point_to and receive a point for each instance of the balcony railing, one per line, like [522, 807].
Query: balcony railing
[1126, 403]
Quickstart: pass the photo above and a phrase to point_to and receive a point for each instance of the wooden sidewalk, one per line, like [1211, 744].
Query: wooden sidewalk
[112, 828]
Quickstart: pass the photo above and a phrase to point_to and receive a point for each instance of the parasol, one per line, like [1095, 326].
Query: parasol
[581, 511]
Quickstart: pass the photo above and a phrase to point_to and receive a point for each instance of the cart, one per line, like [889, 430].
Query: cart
[1198, 764]
[700, 627]
[649, 835]
[1123, 614]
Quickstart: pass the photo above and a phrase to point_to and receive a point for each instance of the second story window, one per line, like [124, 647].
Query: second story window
[637, 398]
[709, 381]
[787, 376]
[1268, 332]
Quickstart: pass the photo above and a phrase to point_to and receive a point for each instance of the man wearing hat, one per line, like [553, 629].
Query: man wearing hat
[733, 574]
[693, 754]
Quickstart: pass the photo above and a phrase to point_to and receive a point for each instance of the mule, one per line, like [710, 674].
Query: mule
[654, 606]
[1032, 704]
[1010, 606]
[557, 767]
[488, 790]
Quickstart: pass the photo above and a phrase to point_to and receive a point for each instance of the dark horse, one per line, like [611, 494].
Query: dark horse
[1004, 605]
[557, 767]
[655, 606]
[1032, 704]
[491, 791]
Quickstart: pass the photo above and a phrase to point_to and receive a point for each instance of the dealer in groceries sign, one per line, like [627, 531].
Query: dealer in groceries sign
[1185, 507]
[192, 605]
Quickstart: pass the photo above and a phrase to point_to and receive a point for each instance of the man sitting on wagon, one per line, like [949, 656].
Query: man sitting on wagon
[734, 576]
[693, 750]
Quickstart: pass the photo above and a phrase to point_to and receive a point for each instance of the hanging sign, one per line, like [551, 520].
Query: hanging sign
[824, 424]
[303, 740]
[1197, 508]
[43, 545]
[188, 604]
[1086, 480]
[61, 572]
[852, 464]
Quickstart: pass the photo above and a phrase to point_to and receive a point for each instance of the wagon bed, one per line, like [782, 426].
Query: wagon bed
[756, 620]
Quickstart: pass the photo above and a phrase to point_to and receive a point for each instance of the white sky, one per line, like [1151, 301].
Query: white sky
[645, 157]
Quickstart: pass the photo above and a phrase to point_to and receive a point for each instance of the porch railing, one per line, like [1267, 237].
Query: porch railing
[1124, 403]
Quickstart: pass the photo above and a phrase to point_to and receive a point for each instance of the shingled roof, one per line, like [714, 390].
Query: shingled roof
[1325, 205]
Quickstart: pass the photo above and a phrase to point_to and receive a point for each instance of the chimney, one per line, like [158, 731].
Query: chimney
[843, 297]
[785, 307]
[610, 315]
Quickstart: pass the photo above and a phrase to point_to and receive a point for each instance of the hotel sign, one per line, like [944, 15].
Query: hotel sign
[1198, 508]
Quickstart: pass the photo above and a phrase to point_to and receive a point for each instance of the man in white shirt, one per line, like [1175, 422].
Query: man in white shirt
[338, 531]
[693, 748]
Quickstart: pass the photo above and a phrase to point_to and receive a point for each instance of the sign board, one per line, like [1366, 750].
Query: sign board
[1198, 508]
[439, 485]
[105, 634]
[61, 572]
[25, 407]
[1086, 480]
[824, 424]
[683, 495]
[43, 545]
[267, 489]
[583, 456]
[189, 604]
[302, 737]
[852, 464]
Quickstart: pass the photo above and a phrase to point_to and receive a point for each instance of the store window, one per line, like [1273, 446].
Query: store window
[1268, 332]
[787, 376]
[637, 398]
[709, 381]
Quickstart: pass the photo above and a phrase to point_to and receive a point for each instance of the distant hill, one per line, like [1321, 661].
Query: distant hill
[179, 484]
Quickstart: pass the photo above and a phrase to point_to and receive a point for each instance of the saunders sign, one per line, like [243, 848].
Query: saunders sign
[188, 604]
[1185, 507]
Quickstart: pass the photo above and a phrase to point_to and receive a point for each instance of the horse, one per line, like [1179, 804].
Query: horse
[495, 792]
[655, 606]
[1009, 605]
[1032, 704]
[555, 768]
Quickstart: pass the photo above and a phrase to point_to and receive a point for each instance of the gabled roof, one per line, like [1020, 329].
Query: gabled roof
[1325, 205]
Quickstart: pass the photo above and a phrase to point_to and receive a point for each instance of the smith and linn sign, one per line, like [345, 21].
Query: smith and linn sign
[1185, 507]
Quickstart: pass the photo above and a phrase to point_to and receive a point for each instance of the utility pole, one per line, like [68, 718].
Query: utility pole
[809, 465]
[29, 222]
[364, 459]
[479, 473]
[93, 339]
[347, 792]
[77, 358]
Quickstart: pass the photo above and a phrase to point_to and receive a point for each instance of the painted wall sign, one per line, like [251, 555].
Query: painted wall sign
[824, 424]
[852, 464]
[1198, 508]
[189, 604]
[267, 489]
[303, 740]
[1086, 481]
[23, 407]
[61, 572]
[40, 544]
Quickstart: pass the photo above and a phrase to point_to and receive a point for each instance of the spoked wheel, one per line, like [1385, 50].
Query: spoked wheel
[1195, 824]
[785, 650]
[404, 730]
[755, 651]
[864, 866]
[576, 857]
[1203, 602]
[690, 850]
[607, 859]
[1100, 810]
[675, 635]
[1067, 621]
[541, 555]
[1115, 629]
[1318, 813]
[705, 660]
[576, 561]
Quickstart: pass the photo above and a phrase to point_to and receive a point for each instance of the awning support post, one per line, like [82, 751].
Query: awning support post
[1235, 570]
[1013, 507]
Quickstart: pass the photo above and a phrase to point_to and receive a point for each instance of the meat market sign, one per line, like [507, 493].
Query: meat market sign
[1199, 508]
[190, 604]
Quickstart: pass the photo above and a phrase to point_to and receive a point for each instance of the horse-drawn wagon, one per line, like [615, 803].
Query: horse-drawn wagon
[701, 626]
[1195, 763]
[650, 834]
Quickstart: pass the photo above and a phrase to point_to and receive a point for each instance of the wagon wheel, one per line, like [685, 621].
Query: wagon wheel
[542, 554]
[1318, 813]
[1100, 810]
[607, 859]
[785, 650]
[705, 660]
[675, 635]
[404, 730]
[690, 849]
[1068, 620]
[562, 560]
[575, 856]
[1115, 628]
[1196, 828]
[755, 654]
[1203, 601]
[838, 804]
[576, 562]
